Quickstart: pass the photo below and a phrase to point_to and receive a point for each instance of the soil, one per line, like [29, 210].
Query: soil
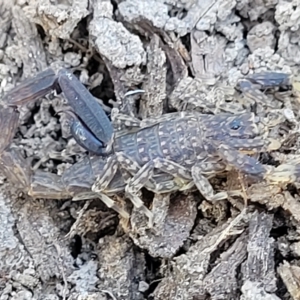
[144, 59]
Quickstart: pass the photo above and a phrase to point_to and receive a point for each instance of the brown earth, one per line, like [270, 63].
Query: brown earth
[185, 55]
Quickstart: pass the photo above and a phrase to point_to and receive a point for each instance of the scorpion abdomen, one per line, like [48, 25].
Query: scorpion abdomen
[178, 140]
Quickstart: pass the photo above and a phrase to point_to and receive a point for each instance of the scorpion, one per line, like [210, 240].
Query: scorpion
[174, 152]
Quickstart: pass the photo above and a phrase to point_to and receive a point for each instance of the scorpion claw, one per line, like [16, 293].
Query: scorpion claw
[255, 85]
[86, 139]
[83, 136]
[270, 79]
[95, 125]
[85, 107]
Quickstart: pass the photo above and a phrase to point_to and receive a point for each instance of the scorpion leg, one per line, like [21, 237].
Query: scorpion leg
[180, 173]
[162, 164]
[76, 183]
[84, 174]
[242, 162]
[134, 186]
[142, 176]
[203, 184]
[108, 173]
[160, 183]
[120, 119]
[103, 181]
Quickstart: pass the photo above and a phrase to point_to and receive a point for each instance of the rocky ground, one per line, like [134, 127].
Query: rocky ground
[185, 55]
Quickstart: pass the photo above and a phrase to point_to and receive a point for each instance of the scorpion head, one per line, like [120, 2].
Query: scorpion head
[241, 132]
[242, 126]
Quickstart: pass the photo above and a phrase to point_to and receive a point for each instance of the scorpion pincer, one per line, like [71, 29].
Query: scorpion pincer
[176, 151]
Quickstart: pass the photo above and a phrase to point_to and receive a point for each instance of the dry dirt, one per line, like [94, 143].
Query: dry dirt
[184, 55]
